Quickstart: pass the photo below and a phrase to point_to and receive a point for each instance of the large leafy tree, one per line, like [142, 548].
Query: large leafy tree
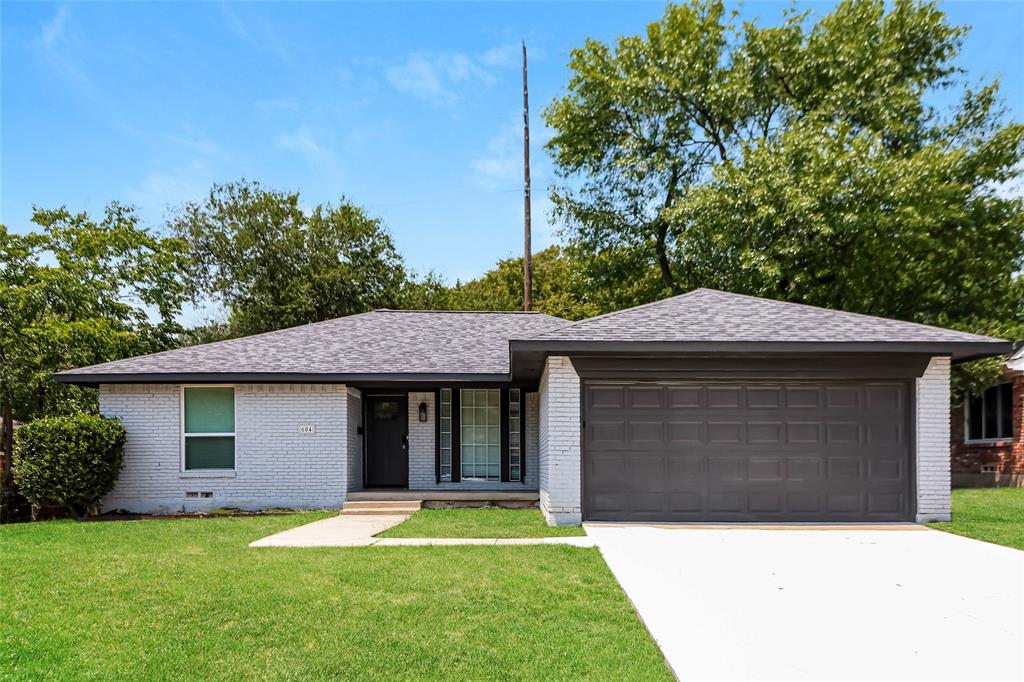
[559, 288]
[809, 161]
[76, 292]
[273, 264]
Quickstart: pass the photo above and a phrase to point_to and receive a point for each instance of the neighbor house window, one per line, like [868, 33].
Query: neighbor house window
[480, 444]
[515, 425]
[989, 415]
[445, 413]
[208, 427]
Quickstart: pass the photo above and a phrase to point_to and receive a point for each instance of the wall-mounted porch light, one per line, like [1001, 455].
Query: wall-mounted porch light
[423, 412]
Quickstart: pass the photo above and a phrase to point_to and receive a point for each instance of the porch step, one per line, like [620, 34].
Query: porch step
[379, 507]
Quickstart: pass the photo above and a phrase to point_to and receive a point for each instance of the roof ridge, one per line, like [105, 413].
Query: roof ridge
[618, 312]
[478, 312]
[843, 312]
[233, 340]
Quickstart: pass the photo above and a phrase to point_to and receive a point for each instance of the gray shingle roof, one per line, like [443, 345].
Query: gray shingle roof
[707, 315]
[379, 342]
[423, 345]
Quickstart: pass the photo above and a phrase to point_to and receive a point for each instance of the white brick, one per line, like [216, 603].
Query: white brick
[934, 502]
[275, 464]
[559, 442]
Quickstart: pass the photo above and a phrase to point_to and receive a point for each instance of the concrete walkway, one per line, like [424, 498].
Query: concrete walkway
[838, 604]
[359, 531]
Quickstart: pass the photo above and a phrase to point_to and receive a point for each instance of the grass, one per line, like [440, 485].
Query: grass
[186, 599]
[990, 514]
[480, 522]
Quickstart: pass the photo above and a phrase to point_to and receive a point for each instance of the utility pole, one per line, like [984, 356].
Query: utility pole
[527, 252]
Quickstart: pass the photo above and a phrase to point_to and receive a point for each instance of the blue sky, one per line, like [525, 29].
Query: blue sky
[410, 110]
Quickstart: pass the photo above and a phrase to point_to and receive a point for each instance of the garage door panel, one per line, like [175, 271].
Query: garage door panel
[766, 469]
[724, 397]
[646, 432]
[884, 398]
[727, 432]
[803, 398]
[764, 397]
[606, 433]
[747, 451]
[765, 433]
[607, 397]
[688, 432]
[645, 397]
[845, 468]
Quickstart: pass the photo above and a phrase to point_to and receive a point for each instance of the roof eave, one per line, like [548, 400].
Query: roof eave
[960, 351]
[95, 379]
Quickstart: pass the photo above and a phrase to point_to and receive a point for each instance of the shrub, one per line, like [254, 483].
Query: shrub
[70, 462]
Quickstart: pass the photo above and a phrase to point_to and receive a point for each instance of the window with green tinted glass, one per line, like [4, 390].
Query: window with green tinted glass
[209, 427]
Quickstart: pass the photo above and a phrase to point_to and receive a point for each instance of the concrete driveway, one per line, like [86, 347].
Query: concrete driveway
[800, 604]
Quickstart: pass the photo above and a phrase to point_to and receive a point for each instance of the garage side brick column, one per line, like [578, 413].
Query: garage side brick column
[559, 440]
[934, 501]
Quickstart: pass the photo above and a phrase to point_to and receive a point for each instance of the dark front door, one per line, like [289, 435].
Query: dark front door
[387, 442]
[748, 451]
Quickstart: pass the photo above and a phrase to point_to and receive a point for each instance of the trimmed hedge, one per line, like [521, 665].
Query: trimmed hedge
[70, 462]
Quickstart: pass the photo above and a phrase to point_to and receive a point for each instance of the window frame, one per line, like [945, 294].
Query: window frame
[183, 435]
[501, 435]
[504, 394]
[984, 406]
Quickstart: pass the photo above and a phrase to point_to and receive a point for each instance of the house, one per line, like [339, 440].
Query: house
[707, 406]
[987, 446]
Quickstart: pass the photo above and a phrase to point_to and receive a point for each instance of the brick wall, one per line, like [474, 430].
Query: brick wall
[932, 441]
[422, 456]
[1007, 455]
[559, 442]
[275, 464]
[354, 419]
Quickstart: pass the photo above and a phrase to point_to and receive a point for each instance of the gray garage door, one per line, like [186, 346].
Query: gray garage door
[747, 451]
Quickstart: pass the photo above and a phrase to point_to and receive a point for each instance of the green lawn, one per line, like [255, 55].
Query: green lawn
[482, 522]
[186, 599]
[991, 514]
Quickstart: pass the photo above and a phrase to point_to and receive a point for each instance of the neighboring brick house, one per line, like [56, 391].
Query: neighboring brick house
[706, 406]
[987, 442]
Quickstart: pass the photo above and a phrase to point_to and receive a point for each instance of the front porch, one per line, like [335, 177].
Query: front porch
[390, 500]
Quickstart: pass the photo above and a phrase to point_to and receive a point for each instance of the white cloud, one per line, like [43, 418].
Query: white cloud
[302, 140]
[281, 103]
[52, 30]
[161, 191]
[501, 164]
[503, 55]
[318, 154]
[438, 77]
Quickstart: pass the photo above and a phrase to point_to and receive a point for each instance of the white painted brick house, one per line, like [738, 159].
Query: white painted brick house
[702, 407]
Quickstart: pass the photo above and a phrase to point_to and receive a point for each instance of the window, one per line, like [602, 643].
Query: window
[515, 422]
[208, 427]
[446, 433]
[989, 416]
[480, 445]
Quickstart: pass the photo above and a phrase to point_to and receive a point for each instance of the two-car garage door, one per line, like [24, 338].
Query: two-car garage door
[747, 451]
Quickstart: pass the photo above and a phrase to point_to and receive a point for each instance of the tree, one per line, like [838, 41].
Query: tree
[558, 288]
[800, 162]
[275, 265]
[79, 292]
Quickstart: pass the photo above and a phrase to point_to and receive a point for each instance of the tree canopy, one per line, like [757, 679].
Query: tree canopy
[813, 161]
[558, 287]
[273, 264]
[77, 292]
